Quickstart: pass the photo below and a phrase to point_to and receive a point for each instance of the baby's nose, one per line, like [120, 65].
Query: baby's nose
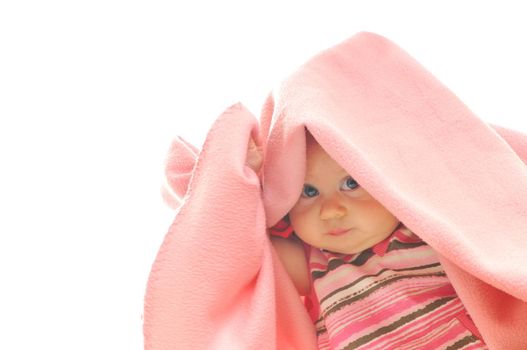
[332, 209]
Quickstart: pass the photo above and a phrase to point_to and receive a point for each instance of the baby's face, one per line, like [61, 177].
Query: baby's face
[334, 213]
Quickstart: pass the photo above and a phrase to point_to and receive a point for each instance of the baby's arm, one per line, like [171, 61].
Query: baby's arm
[291, 253]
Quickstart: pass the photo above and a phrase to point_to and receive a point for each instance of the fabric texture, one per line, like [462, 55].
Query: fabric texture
[394, 295]
[455, 181]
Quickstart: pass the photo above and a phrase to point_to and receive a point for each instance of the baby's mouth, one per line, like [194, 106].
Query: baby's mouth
[338, 231]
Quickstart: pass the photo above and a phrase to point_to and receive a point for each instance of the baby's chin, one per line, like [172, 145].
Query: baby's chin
[349, 246]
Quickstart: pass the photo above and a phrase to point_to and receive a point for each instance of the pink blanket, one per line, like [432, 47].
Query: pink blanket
[457, 182]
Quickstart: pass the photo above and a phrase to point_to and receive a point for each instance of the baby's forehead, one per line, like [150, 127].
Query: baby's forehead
[319, 162]
[312, 145]
[314, 149]
[314, 152]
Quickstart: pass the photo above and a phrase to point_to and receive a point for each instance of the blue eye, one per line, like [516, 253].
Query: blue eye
[309, 191]
[350, 184]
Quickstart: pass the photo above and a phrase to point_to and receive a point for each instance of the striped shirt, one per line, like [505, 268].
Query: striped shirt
[394, 295]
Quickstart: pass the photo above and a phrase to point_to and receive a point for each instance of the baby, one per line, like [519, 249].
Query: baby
[368, 281]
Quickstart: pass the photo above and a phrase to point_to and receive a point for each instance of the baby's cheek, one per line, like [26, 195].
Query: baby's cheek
[381, 213]
[300, 208]
[299, 216]
[370, 203]
[295, 217]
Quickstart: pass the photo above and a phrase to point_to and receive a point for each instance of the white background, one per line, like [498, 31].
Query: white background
[92, 93]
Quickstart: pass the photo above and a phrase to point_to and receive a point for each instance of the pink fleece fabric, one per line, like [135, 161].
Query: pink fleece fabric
[457, 182]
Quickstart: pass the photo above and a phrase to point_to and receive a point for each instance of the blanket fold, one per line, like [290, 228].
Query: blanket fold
[212, 285]
[457, 182]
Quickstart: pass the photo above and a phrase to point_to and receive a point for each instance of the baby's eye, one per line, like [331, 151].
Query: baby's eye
[349, 184]
[309, 191]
